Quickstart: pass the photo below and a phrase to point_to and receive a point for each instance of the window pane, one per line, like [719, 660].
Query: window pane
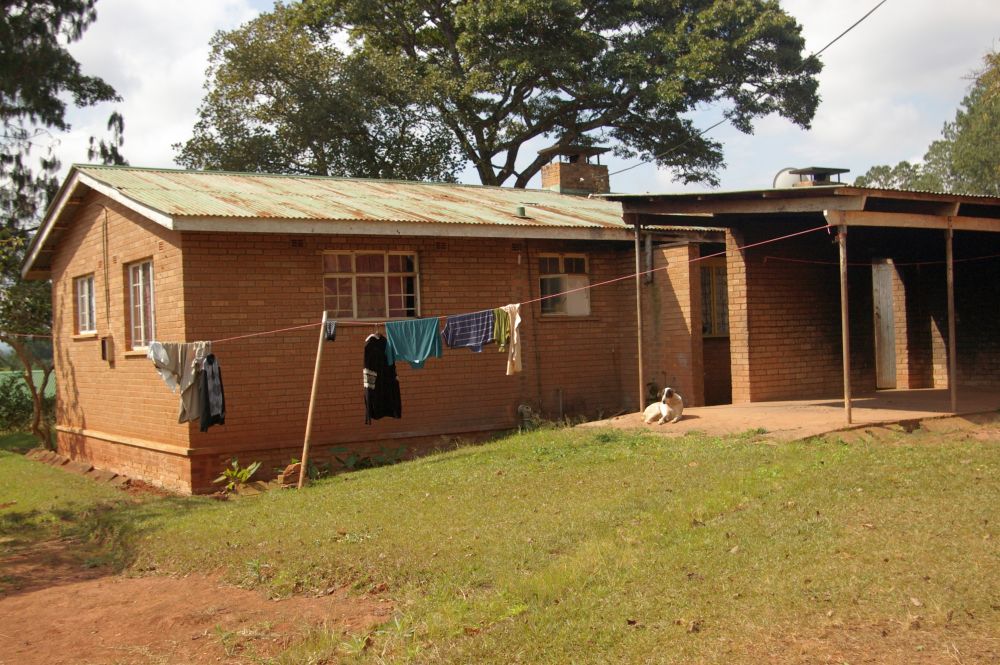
[549, 286]
[370, 262]
[575, 265]
[548, 265]
[706, 301]
[339, 299]
[371, 297]
[395, 263]
[721, 302]
[147, 303]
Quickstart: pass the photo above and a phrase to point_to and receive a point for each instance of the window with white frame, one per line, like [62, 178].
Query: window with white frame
[142, 318]
[371, 285]
[714, 300]
[85, 323]
[562, 281]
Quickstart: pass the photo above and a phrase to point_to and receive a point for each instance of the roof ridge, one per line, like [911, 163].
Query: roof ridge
[429, 183]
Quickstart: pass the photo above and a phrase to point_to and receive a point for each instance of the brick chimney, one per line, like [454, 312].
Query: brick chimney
[575, 169]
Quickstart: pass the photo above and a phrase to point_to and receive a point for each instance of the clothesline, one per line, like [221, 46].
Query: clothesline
[28, 335]
[541, 298]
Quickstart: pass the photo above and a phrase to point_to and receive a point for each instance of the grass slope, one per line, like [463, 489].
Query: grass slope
[39, 501]
[582, 546]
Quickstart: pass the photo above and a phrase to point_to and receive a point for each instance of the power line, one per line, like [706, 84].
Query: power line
[726, 118]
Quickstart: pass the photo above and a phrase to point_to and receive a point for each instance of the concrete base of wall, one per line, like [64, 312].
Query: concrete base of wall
[187, 471]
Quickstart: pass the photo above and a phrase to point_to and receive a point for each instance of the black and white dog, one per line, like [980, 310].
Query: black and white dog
[668, 409]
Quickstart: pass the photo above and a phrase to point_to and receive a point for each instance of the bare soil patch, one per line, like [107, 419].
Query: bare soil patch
[58, 609]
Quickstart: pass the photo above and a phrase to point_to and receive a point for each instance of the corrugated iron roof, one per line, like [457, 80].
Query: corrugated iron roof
[263, 196]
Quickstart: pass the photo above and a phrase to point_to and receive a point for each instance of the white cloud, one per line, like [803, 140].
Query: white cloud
[155, 55]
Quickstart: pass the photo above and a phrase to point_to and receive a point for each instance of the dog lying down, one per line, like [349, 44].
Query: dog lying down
[669, 408]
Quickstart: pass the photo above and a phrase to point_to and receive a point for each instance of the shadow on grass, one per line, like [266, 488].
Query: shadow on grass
[68, 544]
[17, 442]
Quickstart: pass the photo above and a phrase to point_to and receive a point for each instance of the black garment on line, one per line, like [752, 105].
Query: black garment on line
[213, 398]
[382, 396]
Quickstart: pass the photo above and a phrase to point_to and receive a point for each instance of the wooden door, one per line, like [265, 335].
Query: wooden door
[885, 328]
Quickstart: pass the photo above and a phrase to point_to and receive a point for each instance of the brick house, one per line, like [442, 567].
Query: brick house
[142, 254]
[913, 266]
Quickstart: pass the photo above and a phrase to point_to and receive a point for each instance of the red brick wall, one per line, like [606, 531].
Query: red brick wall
[922, 317]
[125, 397]
[785, 318]
[672, 352]
[268, 379]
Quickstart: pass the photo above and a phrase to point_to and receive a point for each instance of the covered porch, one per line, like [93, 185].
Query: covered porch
[833, 292]
[800, 419]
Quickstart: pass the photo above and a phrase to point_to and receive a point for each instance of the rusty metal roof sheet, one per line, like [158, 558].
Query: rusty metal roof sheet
[207, 194]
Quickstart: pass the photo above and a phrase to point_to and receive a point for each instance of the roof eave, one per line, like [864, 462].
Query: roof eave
[74, 180]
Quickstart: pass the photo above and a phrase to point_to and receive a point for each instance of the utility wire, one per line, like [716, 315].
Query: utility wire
[726, 118]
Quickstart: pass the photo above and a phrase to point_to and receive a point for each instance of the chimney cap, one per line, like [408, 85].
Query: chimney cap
[819, 171]
[574, 149]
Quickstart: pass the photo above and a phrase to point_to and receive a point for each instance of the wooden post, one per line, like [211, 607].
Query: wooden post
[312, 403]
[638, 316]
[844, 327]
[952, 342]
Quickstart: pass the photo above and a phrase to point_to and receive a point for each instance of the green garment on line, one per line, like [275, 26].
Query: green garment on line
[501, 327]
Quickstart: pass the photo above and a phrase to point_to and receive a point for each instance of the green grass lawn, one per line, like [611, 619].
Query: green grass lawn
[38, 501]
[594, 546]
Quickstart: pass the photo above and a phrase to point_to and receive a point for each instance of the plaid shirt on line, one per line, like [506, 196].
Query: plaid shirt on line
[469, 330]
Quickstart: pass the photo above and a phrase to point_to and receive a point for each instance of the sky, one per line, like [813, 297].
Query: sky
[886, 88]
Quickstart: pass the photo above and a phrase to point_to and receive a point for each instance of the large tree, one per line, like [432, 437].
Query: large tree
[965, 159]
[38, 78]
[281, 99]
[556, 72]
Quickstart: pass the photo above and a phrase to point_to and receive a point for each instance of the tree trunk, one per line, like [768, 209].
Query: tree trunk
[38, 427]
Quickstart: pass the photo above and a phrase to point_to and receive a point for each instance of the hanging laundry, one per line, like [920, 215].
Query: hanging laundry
[413, 340]
[469, 330]
[501, 327]
[213, 398]
[514, 353]
[330, 331]
[382, 396]
[179, 364]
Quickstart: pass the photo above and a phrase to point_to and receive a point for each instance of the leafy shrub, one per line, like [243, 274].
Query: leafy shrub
[235, 475]
[15, 403]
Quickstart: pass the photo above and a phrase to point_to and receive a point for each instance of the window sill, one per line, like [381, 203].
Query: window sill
[82, 336]
[567, 317]
[136, 353]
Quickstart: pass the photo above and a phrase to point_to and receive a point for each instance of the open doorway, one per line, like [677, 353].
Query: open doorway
[718, 377]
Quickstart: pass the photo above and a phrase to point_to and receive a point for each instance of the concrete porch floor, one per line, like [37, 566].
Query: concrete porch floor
[804, 418]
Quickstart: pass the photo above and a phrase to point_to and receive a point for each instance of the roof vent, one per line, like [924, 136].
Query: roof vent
[811, 176]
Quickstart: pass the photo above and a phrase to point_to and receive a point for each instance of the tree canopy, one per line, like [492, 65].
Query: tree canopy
[965, 159]
[280, 99]
[38, 78]
[498, 75]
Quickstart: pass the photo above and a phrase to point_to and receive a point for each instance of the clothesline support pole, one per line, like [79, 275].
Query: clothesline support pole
[638, 315]
[312, 404]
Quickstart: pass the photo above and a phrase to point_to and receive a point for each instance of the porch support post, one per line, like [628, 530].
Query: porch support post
[952, 342]
[845, 337]
[638, 314]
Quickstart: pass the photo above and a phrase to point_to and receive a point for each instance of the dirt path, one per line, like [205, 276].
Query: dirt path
[56, 611]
